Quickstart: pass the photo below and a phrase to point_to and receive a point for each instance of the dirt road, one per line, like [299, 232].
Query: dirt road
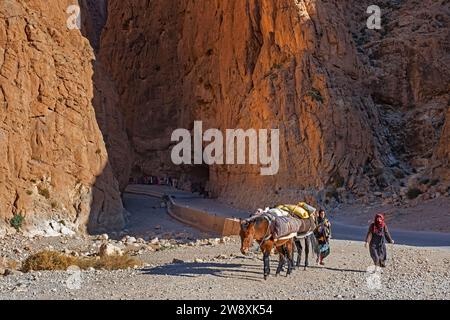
[220, 271]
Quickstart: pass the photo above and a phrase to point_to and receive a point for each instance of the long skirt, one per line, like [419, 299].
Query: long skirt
[378, 253]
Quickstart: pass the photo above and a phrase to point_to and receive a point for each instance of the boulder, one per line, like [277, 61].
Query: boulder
[108, 249]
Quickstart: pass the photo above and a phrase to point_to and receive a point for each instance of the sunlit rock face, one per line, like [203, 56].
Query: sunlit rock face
[82, 111]
[292, 65]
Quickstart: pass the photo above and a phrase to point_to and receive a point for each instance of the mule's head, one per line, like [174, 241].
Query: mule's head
[247, 234]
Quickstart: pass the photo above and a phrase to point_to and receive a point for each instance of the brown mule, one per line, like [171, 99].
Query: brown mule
[258, 229]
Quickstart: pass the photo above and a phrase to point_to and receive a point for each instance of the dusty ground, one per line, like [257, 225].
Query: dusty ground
[191, 265]
[221, 272]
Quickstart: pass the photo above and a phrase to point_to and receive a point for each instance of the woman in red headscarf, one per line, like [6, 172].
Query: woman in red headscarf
[376, 239]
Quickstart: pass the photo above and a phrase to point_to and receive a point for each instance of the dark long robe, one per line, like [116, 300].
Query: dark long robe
[377, 245]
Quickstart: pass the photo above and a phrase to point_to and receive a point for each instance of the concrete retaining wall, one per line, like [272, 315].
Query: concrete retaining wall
[195, 217]
[203, 220]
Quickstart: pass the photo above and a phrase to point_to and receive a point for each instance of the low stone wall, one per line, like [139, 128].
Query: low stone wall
[203, 220]
[195, 217]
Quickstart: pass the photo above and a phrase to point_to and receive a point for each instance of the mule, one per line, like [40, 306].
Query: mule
[258, 228]
[306, 232]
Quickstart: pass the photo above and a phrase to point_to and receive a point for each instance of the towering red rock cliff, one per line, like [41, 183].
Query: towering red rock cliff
[358, 110]
[53, 162]
[340, 94]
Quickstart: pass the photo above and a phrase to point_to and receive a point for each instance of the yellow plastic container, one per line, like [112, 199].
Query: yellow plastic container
[295, 209]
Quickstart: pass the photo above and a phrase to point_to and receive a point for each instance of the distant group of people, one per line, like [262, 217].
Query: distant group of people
[377, 237]
[181, 184]
[154, 180]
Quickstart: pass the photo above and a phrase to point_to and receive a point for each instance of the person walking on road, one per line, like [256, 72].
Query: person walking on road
[376, 239]
[323, 235]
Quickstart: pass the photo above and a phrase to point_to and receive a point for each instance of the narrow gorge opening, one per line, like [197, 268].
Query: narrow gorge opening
[138, 145]
[182, 61]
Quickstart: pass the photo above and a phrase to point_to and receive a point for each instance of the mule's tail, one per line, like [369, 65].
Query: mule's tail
[314, 244]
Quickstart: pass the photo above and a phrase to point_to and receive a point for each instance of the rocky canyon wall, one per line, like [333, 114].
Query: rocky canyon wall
[54, 167]
[359, 111]
[349, 101]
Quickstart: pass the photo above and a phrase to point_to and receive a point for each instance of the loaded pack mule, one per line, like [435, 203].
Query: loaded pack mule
[277, 228]
[307, 225]
[260, 228]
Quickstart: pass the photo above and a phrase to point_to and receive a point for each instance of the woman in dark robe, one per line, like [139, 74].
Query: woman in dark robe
[376, 239]
[323, 235]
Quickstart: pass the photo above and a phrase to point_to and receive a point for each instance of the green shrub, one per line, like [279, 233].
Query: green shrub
[434, 182]
[332, 194]
[413, 193]
[17, 221]
[339, 181]
[277, 66]
[45, 193]
[399, 174]
[315, 94]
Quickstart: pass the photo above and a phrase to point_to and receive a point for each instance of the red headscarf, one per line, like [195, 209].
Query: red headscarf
[378, 224]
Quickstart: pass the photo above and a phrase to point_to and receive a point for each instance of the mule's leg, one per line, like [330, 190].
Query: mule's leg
[281, 261]
[298, 244]
[266, 264]
[288, 253]
[306, 252]
[292, 248]
[267, 249]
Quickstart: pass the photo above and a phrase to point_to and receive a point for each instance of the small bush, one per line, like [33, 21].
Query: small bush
[17, 221]
[339, 181]
[315, 94]
[48, 260]
[29, 192]
[434, 182]
[98, 151]
[45, 193]
[378, 172]
[399, 174]
[8, 263]
[413, 193]
[277, 66]
[332, 194]
[109, 263]
[52, 260]
[54, 204]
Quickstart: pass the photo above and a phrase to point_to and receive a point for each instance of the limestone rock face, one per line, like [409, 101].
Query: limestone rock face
[283, 64]
[358, 110]
[442, 155]
[409, 78]
[53, 161]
